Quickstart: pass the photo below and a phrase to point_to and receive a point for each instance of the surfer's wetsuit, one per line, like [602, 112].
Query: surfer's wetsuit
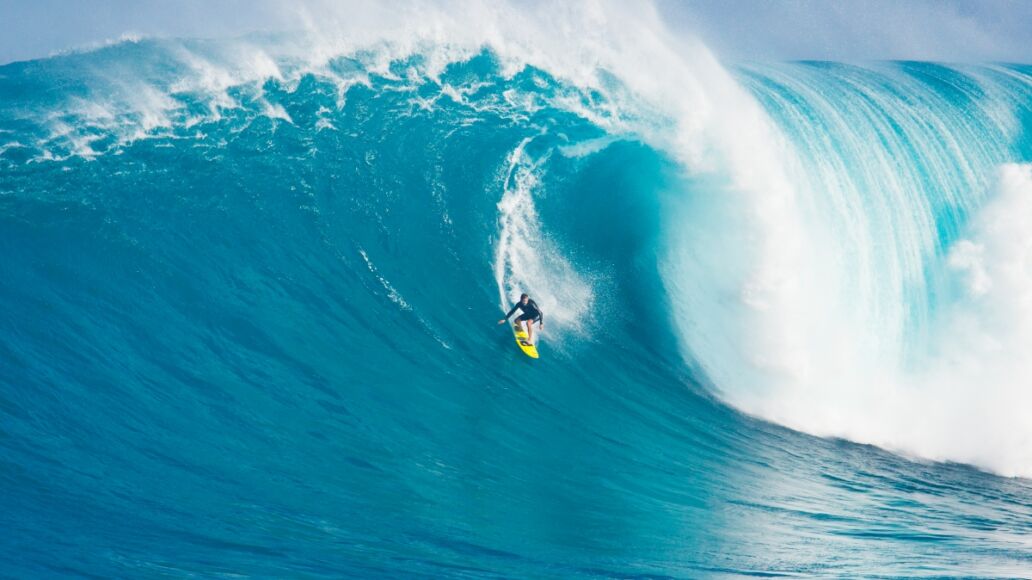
[530, 310]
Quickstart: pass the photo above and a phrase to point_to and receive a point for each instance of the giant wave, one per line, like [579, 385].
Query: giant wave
[249, 291]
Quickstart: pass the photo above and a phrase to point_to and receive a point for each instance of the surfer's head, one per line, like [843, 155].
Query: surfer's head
[524, 298]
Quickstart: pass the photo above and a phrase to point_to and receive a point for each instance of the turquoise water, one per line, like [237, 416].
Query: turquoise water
[248, 321]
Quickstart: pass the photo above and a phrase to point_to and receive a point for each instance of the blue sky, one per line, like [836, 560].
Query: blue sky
[37, 28]
[942, 30]
[938, 30]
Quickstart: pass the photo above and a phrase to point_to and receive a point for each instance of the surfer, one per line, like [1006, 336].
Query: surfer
[531, 314]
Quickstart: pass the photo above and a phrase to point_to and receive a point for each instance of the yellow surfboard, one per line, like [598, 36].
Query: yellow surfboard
[521, 341]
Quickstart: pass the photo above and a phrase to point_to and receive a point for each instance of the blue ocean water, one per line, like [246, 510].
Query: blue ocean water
[248, 322]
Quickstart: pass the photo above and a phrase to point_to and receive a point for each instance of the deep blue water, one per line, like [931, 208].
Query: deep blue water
[247, 326]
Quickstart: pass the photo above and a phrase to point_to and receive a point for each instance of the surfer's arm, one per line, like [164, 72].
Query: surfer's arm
[511, 312]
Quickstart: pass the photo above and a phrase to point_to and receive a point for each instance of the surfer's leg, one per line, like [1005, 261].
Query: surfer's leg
[526, 324]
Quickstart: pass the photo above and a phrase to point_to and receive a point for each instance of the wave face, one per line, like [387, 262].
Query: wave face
[250, 289]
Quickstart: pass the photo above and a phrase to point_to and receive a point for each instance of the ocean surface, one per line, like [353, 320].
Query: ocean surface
[249, 293]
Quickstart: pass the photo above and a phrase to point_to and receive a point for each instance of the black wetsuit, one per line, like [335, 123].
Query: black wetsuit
[530, 310]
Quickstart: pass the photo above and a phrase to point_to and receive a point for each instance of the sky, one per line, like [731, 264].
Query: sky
[936, 30]
[857, 30]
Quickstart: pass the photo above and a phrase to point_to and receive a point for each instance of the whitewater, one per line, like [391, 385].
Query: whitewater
[249, 290]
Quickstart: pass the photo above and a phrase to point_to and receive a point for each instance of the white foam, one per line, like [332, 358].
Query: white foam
[587, 148]
[527, 261]
[11, 145]
[324, 121]
[397, 298]
[968, 398]
[982, 370]
[393, 294]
